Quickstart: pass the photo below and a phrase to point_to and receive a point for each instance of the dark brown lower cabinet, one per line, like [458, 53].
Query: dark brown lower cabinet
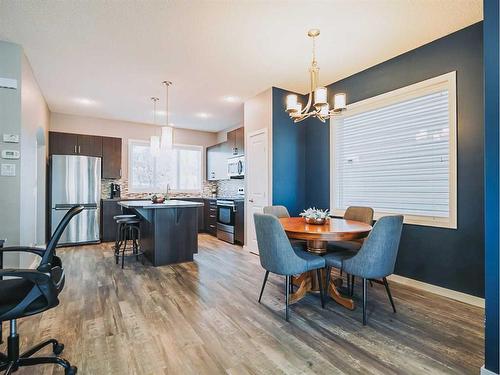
[239, 222]
[109, 208]
[211, 216]
[201, 212]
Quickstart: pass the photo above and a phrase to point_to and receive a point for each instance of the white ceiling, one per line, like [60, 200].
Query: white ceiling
[116, 53]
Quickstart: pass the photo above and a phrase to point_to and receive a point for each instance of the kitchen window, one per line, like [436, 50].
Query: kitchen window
[396, 153]
[180, 167]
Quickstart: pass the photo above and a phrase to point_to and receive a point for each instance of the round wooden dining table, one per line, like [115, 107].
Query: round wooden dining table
[317, 237]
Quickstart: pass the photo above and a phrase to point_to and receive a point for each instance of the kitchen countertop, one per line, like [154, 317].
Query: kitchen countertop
[175, 198]
[171, 203]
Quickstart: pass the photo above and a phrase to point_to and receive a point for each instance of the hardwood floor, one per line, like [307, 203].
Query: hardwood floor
[203, 318]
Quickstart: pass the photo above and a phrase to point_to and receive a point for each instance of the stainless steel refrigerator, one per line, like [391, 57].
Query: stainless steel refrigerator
[76, 180]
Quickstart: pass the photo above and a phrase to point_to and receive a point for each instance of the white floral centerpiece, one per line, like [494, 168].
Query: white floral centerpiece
[315, 215]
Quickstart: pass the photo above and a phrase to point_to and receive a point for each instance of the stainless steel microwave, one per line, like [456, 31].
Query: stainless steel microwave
[236, 167]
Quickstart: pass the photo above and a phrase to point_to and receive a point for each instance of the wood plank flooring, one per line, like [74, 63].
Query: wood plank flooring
[203, 318]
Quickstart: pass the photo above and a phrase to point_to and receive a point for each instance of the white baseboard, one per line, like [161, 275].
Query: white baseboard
[458, 296]
[487, 372]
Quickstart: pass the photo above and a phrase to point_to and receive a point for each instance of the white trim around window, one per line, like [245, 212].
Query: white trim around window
[152, 189]
[344, 191]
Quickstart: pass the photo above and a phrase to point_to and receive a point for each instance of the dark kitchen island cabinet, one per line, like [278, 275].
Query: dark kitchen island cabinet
[169, 231]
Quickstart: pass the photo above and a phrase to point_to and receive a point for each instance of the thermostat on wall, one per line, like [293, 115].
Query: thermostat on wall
[10, 154]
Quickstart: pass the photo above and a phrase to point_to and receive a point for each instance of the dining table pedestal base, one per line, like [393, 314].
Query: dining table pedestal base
[308, 282]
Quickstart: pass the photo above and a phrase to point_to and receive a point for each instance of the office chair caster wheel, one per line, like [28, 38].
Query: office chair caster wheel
[71, 370]
[58, 348]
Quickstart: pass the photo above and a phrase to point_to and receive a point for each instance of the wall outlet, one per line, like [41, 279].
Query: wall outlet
[11, 138]
[8, 170]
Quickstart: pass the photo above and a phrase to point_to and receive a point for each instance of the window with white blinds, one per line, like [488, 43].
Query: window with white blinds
[396, 153]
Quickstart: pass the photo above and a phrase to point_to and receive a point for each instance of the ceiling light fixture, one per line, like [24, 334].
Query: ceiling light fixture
[232, 99]
[203, 115]
[167, 132]
[320, 108]
[154, 142]
[85, 101]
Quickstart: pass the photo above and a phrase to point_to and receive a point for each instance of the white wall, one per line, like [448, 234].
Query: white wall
[258, 114]
[35, 117]
[25, 113]
[10, 123]
[126, 130]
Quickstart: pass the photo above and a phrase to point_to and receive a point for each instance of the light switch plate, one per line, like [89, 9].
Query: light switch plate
[8, 170]
[10, 154]
[11, 138]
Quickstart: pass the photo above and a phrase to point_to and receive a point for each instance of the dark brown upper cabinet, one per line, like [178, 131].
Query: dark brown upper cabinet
[235, 140]
[111, 157]
[74, 144]
[218, 154]
[107, 148]
[63, 144]
[90, 145]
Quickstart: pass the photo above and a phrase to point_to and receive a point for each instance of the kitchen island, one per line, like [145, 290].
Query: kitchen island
[169, 230]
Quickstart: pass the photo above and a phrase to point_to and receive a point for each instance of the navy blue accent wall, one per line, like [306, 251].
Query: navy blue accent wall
[288, 157]
[317, 164]
[449, 258]
[491, 122]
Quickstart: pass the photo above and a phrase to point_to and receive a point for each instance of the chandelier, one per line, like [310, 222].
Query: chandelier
[317, 104]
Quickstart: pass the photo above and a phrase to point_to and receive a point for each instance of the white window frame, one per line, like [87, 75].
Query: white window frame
[131, 189]
[443, 82]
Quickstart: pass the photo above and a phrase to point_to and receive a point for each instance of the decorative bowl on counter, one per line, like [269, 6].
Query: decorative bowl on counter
[315, 216]
[157, 198]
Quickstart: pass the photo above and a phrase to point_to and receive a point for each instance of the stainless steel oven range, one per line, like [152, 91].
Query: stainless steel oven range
[225, 220]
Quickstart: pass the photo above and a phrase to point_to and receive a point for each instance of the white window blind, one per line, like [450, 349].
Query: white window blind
[395, 158]
[180, 168]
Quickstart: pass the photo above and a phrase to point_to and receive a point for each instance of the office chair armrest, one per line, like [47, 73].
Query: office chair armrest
[34, 276]
[23, 249]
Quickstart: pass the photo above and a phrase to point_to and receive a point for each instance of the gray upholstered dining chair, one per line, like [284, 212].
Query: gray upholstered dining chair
[282, 212]
[356, 213]
[277, 255]
[278, 211]
[376, 258]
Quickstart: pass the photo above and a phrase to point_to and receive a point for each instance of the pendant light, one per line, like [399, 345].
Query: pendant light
[154, 140]
[167, 132]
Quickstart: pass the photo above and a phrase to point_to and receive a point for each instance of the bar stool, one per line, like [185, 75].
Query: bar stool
[130, 230]
[119, 229]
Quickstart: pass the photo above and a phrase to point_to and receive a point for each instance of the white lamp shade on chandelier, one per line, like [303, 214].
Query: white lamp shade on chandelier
[317, 103]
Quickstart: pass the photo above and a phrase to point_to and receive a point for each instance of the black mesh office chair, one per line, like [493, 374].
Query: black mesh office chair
[33, 291]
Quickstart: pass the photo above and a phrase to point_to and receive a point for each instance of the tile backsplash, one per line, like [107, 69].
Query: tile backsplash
[224, 188]
[229, 188]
